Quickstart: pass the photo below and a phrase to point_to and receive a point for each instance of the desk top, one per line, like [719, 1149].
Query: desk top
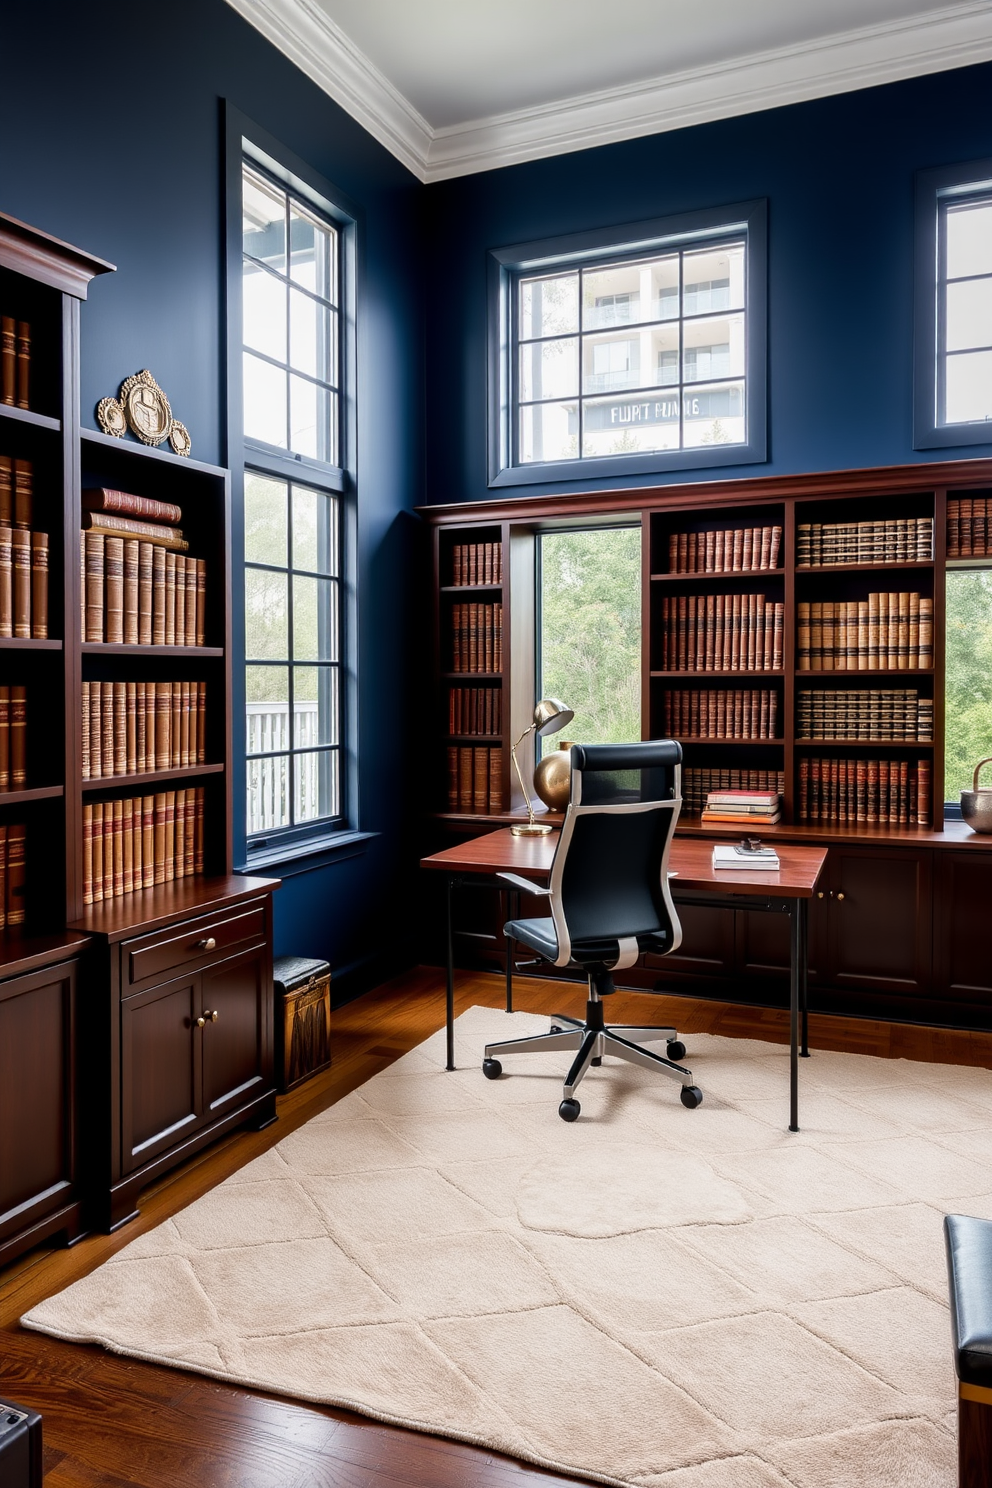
[691, 861]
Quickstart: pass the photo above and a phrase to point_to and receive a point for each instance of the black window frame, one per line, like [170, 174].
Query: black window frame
[936, 190]
[602, 246]
[247, 143]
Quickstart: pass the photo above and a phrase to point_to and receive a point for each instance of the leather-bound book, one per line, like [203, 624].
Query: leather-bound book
[39, 586]
[201, 723]
[184, 711]
[464, 779]
[16, 875]
[926, 632]
[201, 601]
[87, 853]
[97, 852]
[145, 551]
[131, 727]
[179, 817]
[94, 586]
[136, 844]
[120, 727]
[180, 615]
[130, 632]
[158, 597]
[94, 695]
[20, 544]
[176, 727]
[170, 599]
[190, 864]
[23, 363]
[107, 727]
[170, 836]
[127, 844]
[140, 728]
[148, 879]
[23, 494]
[164, 537]
[200, 853]
[160, 837]
[4, 738]
[113, 567]
[495, 779]
[8, 359]
[191, 592]
[903, 661]
[163, 726]
[953, 527]
[18, 737]
[118, 849]
[6, 491]
[102, 499]
[913, 643]
[965, 509]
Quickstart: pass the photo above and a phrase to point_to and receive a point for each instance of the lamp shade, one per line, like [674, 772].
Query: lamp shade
[550, 715]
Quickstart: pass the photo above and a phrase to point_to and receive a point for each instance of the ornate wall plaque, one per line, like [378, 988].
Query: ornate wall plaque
[142, 407]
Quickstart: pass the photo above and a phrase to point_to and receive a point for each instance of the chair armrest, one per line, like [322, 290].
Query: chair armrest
[524, 883]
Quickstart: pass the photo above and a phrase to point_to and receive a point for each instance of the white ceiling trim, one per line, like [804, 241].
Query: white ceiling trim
[862, 58]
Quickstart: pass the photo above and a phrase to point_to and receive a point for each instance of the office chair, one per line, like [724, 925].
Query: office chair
[610, 902]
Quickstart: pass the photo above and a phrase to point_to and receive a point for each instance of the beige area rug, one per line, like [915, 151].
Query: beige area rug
[651, 1296]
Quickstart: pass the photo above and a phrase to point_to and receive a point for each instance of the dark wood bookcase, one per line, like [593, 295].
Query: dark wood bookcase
[893, 920]
[92, 1107]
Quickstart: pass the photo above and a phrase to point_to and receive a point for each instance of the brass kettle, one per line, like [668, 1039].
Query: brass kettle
[976, 805]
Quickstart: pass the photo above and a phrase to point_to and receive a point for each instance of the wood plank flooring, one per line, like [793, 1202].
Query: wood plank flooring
[119, 1423]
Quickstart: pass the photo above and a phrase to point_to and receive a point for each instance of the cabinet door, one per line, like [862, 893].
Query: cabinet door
[37, 1101]
[707, 948]
[237, 1048]
[161, 1050]
[962, 902]
[879, 919]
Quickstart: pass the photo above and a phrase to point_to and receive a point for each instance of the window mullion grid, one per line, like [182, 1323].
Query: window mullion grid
[291, 648]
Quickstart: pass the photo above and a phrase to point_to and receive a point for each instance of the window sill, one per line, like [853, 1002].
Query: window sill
[305, 857]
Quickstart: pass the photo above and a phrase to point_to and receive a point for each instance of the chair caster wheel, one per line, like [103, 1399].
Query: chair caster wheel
[492, 1069]
[596, 1062]
[569, 1110]
[676, 1051]
[692, 1096]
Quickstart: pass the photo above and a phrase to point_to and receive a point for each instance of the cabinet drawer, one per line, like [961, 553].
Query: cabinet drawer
[173, 949]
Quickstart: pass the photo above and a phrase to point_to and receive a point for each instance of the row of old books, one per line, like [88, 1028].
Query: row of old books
[140, 842]
[697, 784]
[721, 633]
[131, 728]
[138, 593]
[13, 875]
[731, 550]
[477, 563]
[475, 778]
[15, 361]
[13, 738]
[744, 808]
[969, 526]
[884, 713]
[23, 584]
[884, 633]
[477, 637]
[874, 791]
[16, 493]
[721, 713]
[475, 710]
[894, 540]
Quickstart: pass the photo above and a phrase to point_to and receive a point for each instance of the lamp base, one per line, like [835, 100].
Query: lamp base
[531, 829]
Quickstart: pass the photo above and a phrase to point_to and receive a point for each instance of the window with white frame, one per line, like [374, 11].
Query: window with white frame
[954, 306]
[630, 350]
[292, 380]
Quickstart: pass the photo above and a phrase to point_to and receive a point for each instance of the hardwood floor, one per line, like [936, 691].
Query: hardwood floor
[123, 1424]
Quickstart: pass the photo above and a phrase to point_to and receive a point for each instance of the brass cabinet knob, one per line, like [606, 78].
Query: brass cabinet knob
[206, 945]
[820, 894]
[213, 1016]
[840, 893]
[200, 1022]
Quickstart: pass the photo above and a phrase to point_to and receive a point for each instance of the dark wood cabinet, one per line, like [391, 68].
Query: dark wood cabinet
[160, 1070]
[962, 962]
[876, 931]
[38, 1127]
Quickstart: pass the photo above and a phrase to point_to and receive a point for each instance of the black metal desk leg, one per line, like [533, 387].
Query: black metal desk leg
[512, 912]
[795, 975]
[803, 916]
[450, 1000]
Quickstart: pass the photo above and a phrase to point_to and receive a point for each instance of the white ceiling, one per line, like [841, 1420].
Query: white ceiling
[453, 86]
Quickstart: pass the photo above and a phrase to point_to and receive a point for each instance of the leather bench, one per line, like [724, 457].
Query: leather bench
[969, 1265]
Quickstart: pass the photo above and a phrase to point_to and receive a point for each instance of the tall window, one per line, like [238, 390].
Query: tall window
[589, 632]
[954, 306]
[636, 357]
[968, 696]
[292, 377]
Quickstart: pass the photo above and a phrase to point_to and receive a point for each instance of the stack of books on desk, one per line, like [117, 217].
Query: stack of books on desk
[729, 855]
[748, 808]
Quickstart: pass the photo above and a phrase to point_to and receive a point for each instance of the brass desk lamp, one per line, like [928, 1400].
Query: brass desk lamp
[550, 715]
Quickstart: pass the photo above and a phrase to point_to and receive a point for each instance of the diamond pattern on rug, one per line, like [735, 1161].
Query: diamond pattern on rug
[650, 1298]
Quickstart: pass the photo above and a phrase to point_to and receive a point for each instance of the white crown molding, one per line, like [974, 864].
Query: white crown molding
[954, 36]
[305, 34]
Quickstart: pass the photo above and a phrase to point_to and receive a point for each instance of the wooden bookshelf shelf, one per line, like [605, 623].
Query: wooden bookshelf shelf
[874, 744]
[149, 777]
[738, 677]
[31, 793]
[471, 589]
[725, 739]
[113, 648]
[722, 578]
[866, 676]
[473, 678]
[21, 643]
[866, 568]
[27, 417]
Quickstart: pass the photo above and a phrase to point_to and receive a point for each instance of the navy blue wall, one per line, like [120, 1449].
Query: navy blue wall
[110, 137]
[838, 175]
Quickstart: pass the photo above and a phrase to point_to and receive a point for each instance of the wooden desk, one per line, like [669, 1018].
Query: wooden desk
[695, 881]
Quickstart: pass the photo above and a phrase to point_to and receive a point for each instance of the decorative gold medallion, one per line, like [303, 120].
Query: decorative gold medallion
[110, 416]
[179, 438]
[146, 407]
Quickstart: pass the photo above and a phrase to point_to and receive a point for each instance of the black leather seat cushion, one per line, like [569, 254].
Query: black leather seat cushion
[540, 935]
[969, 1265]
